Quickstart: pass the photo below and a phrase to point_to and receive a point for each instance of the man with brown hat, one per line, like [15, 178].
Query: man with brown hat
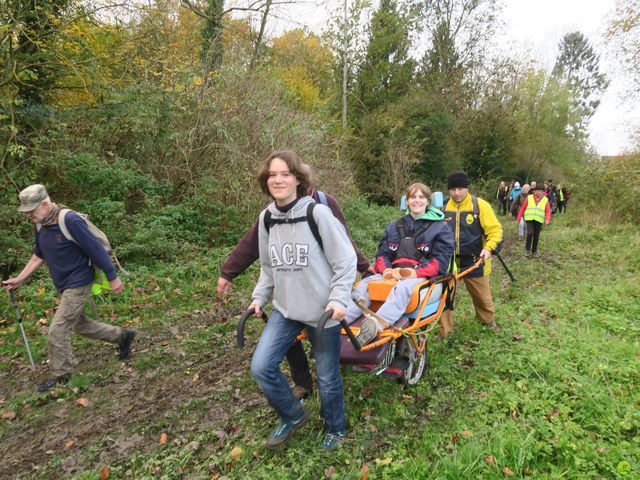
[69, 261]
[477, 234]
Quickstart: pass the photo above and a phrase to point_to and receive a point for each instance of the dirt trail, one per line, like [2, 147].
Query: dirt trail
[124, 408]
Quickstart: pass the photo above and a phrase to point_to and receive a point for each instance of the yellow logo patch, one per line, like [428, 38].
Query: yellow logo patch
[470, 218]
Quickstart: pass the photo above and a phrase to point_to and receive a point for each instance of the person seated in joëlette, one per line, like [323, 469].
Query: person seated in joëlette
[413, 248]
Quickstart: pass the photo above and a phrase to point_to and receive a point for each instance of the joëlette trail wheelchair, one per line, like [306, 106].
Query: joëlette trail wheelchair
[406, 339]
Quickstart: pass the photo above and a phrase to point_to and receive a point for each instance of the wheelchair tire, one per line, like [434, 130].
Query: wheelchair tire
[417, 363]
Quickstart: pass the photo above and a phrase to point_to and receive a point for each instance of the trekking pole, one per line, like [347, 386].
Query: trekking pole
[14, 302]
[505, 267]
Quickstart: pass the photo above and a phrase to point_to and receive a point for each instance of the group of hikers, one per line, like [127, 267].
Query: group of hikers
[308, 266]
[532, 205]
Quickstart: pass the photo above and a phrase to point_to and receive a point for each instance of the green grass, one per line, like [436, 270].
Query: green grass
[554, 395]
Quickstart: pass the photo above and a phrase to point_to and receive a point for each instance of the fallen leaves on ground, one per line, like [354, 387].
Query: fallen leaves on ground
[69, 443]
[8, 415]
[105, 472]
[366, 391]
[236, 453]
[490, 459]
[164, 438]
[508, 472]
[363, 472]
[83, 402]
[328, 472]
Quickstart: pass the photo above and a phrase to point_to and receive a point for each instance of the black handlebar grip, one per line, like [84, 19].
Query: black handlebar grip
[240, 329]
[320, 329]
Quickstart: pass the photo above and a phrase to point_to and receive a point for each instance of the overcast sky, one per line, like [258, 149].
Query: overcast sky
[537, 27]
[541, 24]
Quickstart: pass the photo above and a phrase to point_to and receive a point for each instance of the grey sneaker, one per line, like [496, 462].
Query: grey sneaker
[535, 255]
[368, 331]
[332, 441]
[284, 430]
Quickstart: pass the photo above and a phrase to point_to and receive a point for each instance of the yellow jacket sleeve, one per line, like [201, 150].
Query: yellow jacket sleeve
[490, 225]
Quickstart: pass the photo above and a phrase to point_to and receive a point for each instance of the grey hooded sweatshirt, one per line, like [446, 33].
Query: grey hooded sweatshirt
[299, 276]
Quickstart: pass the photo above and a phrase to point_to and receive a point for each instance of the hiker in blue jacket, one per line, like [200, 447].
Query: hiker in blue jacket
[306, 268]
[513, 195]
[70, 263]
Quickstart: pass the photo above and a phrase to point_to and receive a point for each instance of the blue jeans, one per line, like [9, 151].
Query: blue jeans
[276, 339]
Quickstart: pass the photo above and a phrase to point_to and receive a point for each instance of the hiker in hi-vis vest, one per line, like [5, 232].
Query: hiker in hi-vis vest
[536, 211]
[70, 263]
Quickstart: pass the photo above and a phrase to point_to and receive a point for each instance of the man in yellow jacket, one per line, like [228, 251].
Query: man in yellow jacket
[477, 234]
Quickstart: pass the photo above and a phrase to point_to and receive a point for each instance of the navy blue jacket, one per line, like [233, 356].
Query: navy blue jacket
[70, 264]
[437, 241]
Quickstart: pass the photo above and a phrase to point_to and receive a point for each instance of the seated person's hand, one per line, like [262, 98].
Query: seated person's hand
[403, 273]
[408, 273]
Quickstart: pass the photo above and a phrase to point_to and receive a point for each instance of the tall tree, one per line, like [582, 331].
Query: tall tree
[624, 36]
[459, 32]
[578, 67]
[387, 71]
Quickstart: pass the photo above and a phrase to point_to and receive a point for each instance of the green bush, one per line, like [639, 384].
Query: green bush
[608, 190]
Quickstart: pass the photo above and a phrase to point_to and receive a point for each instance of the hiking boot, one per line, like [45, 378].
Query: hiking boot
[301, 392]
[52, 382]
[332, 441]
[368, 331]
[285, 429]
[527, 254]
[494, 326]
[124, 345]
[535, 255]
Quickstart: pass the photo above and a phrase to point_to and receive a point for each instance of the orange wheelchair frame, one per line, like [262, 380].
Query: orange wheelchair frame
[408, 338]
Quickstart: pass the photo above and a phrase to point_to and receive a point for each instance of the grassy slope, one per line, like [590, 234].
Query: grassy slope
[554, 395]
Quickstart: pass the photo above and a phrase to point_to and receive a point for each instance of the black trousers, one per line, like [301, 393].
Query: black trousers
[299, 365]
[502, 206]
[533, 235]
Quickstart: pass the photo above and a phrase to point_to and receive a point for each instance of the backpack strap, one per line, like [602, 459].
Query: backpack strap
[63, 226]
[312, 223]
[474, 202]
[309, 218]
[400, 226]
[267, 220]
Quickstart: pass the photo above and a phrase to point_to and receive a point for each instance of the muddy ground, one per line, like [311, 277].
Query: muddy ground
[128, 403]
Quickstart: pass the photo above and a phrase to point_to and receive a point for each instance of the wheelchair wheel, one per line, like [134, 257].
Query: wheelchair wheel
[417, 361]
